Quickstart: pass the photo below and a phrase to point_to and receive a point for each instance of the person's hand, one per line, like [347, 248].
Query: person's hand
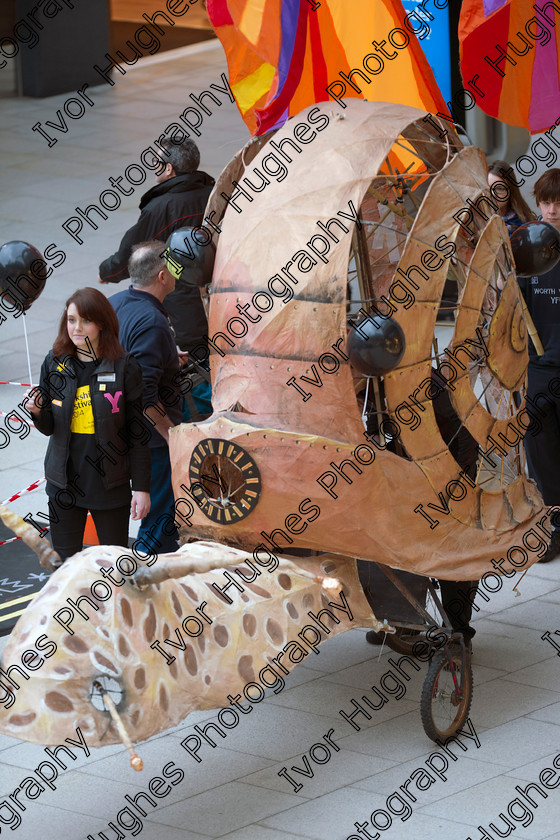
[183, 357]
[102, 282]
[33, 402]
[140, 504]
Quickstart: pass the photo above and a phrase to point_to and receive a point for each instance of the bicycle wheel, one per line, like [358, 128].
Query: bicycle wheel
[442, 711]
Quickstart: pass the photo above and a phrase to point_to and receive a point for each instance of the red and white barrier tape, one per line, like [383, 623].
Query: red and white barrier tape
[23, 384]
[22, 492]
[17, 496]
[19, 419]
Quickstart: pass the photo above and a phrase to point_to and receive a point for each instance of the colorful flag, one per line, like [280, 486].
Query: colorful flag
[509, 59]
[284, 55]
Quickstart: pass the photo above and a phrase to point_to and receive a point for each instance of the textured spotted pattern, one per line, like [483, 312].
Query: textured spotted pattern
[115, 641]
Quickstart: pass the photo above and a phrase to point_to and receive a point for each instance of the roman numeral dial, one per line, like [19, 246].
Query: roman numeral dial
[225, 481]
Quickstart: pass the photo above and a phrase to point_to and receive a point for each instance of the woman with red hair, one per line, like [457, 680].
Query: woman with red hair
[89, 401]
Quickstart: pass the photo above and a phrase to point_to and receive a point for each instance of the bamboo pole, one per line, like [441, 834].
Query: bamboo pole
[135, 761]
[531, 329]
[48, 558]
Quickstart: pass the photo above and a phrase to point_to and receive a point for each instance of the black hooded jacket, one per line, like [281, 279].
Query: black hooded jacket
[120, 435]
[173, 204]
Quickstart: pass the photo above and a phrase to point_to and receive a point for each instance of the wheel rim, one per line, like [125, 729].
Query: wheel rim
[447, 707]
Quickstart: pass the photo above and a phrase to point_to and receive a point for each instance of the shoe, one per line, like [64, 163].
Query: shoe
[374, 638]
[553, 549]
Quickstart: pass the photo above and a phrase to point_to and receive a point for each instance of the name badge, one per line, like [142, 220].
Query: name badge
[56, 402]
[107, 377]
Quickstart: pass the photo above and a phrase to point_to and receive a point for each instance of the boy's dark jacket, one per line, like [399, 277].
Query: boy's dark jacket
[121, 436]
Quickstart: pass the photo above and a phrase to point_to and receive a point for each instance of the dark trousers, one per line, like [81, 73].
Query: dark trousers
[158, 532]
[68, 526]
[456, 598]
[542, 439]
[457, 595]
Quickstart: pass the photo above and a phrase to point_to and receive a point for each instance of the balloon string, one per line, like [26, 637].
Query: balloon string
[27, 347]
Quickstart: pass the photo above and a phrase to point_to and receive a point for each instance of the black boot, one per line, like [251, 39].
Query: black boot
[553, 549]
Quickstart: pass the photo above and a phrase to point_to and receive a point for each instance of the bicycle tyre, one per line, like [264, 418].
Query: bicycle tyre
[441, 712]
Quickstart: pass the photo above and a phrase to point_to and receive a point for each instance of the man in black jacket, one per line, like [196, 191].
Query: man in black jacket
[144, 332]
[178, 200]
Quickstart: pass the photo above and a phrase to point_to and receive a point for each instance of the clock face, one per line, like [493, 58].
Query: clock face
[225, 481]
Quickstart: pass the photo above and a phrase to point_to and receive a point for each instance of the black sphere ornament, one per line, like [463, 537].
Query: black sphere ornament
[23, 274]
[536, 248]
[376, 345]
[190, 256]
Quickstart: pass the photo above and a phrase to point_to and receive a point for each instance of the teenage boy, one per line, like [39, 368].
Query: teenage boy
[542, 295]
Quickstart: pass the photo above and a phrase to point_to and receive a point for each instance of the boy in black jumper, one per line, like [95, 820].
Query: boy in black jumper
[542, 295]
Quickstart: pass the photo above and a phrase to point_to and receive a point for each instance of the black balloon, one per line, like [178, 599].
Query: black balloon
[375, 345]
[536, 248]
[23, 274]
[190, 255]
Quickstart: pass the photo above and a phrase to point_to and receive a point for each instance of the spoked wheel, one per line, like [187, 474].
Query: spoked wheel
[446, 695]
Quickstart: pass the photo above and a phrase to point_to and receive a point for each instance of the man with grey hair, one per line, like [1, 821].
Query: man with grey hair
[144, 331]
[178, 200]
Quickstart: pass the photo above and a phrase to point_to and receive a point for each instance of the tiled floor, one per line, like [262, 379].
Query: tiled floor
[236, 792]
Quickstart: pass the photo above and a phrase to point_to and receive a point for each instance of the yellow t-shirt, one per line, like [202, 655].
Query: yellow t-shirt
[82, 416]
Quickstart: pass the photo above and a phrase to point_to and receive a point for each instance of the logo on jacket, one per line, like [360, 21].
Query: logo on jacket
[114, 400]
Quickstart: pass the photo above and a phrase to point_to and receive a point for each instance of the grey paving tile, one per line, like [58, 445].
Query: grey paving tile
[335, 814]
[550, 714]
[530, 772]
[52, 823]
[218, 767]
[30, 755]
[507, 647]
[91, 796]
[151, 831]
[5, 740]
[10, 777]
[483, 803]
[19, 450]
[517, 742]
[270, 731]
[501, 700]
[370, 672]
[341, 652]
[543, 674]
[551, 570]
[332, 697]
[339, 770]
[532, 586]
[526, 615]
[260, 832]
[397, 739]
[458, 776]
[225, 808]
[16, 479]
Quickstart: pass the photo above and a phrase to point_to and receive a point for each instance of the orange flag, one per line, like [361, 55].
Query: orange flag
[511, 48]
[284, 55]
